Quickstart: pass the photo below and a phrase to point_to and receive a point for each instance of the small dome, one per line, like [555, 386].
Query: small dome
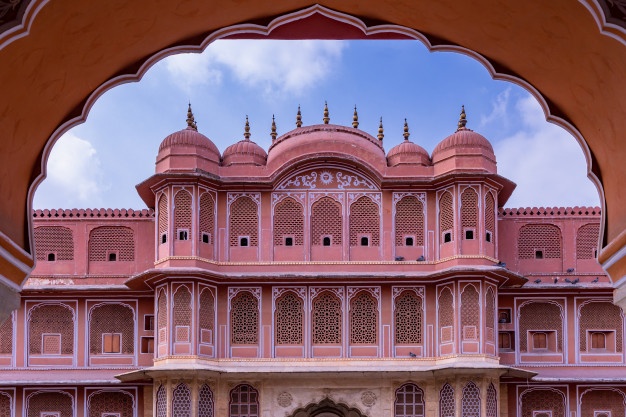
[407, 152]
[190, 137]
[244, 152]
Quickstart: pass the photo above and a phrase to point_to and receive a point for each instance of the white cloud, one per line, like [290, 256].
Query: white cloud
[545, 161]
[271, 66]
[499, 108]
[74, 176]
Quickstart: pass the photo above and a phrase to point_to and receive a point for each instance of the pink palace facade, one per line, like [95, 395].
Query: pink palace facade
[320, 278]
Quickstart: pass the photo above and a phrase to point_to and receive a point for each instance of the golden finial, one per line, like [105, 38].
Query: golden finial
[380, 130]
[299, 118]
[191, 122]
[406, 130]
[326, 118]
[273, 134]
[246, 132]
[355, 118]
[462, 119]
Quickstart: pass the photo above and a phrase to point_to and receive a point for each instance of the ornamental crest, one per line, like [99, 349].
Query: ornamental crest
[325, 179]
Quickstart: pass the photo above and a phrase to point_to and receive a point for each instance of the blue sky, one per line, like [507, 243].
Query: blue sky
[98, 163]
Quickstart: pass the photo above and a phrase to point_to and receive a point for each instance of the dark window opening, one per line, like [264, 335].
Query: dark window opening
[447, 237]
[598, 340]
[112, 257]
[408, 241]
[147, 345]
[52, 257]
[595, 253]
[488, 237]
[504, 316]
[365, 241]
[148, 322]
[164, 238]
[243, 241]
[540, 341]
[326, 241]
[469, 234]
[288, 241]
[504, 341]
[538, 254]
[205, 238]
[182, 235]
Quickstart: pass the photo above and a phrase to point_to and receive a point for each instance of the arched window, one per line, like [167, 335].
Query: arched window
[446, 402]
[288, 223]
[490, 218]
[326, 220]
[112, 329]
[587, 241]
[244, 402]
[54, 240]
[326, 319]
[604, 320]
[205, 401]
[539, 241]
[112, 240]
[469, 212]
[51, 330]
[409, 222]
[244, 222]
[492, 401]
[364, 222]
[409, 401]
[598, 402]
[446, 218]
[206, 317]
[50, 402]
[161, 402]
[181, 314]
[182, 215]
[363, 319]
[163, 219]
[470, 403]
[549, 400]
[162, 316]
[470, 313]
[446, 316]
[6, 405]
[541, 318]
[490, 313]
[105, 403]
[289, 320]
[207, 218]
[6, 336]
[408, 315]
[181, 401]
[244, 319]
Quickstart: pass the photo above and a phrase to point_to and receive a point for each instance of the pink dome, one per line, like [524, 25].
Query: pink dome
[407, 152]
[244, 152]
[190, 137]
[463, 139]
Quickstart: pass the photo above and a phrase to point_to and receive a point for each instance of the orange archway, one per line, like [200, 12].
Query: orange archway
[59, 55]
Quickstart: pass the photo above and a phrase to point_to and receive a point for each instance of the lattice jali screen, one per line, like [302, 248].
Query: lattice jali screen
[205, 401]
[446, 315]
[364, 220]
[161, 401]
[181, 312]
[587, 241]
[602, 400]
[182, 211]
[492, 401]
[326, 219]
[54, 239]
[112, 318]
[470, 312]
[288, 221]
[244, 221]
[408, 315]
[163, 216]
[181, 401]
[470, 402]
[446, 402]
[363, 319]
[244, 319]
[40, 402]
[326, 319]
[206, 314]
[162, 316]
[600, 316]
[490, 213]
[289, 320]
[51, 318]
[207, 216]
[409, 220]
[532, 237]
[114, 402]
[409, 401]
[244, 402]
[469, 208]
[103, 240]
[6, 336]
[446, 215]
[490, 313]
[543, 400]
[5, 405]
[540, 316]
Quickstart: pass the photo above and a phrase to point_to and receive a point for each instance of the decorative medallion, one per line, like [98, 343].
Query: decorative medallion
[284, 399]
[368, 398]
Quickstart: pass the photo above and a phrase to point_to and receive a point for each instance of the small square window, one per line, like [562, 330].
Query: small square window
[205, 238]
[505, 341]
[112, 256]
[469, 235]
[538, 254]
[183, 235]
[51, 344]
[52, 257]
[447, 237]
[409, 241]
[164, 238]
[243, 241]
[111, 343]
[598, 340]
[504, 315]
[365, 241]
[147, 345]
[289, 241]
[326, 241]
[488, 236]
[540, 341]
[148, 322]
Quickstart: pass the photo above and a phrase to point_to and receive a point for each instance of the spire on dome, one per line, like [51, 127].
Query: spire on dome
[406, 133]
[191, 122]
[273, 134]
[246, 132]
[299, 118]
[380, 130]
[326, 118]
[355, 119]
[462, 120]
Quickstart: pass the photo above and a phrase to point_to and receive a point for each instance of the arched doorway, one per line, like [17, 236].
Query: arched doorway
[327, 408]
